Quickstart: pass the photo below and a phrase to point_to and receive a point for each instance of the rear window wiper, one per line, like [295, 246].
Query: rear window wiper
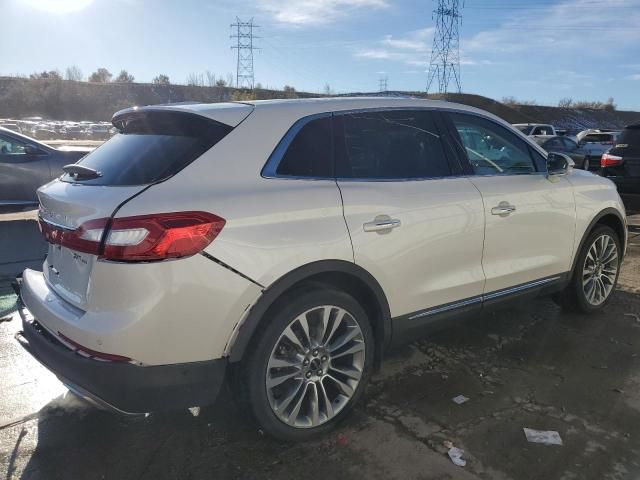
[80, 172]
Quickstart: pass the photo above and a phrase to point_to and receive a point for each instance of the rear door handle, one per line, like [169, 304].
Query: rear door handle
[381, 223]
[503, 209]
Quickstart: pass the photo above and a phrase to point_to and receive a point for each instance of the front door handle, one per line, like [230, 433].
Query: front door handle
[382, 223]
[503, 209]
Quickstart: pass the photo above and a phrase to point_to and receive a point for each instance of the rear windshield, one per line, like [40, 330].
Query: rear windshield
[151, 146]
[524, 128]
[630, 137]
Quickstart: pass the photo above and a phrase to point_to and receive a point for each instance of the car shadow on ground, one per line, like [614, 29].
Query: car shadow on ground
[529, 366]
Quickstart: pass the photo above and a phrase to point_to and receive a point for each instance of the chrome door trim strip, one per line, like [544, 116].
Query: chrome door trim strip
[519, 288]
[446, 308]
[484, 298]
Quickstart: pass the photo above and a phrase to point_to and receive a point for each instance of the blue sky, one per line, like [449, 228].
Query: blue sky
[543, 50]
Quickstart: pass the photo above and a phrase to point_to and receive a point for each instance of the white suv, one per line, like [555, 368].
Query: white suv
[287, 244]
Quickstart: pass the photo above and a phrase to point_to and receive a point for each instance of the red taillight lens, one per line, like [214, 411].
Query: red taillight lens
[608, 160]
[140, 238]
[161, 236]
[85, 238]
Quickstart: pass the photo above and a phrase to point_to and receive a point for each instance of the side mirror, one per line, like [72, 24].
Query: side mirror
[559, 164]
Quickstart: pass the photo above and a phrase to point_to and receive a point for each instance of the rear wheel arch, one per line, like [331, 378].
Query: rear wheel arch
[338, 274]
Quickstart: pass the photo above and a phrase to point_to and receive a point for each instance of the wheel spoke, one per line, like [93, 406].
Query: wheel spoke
[352, 373]
[327, 403]
[304, 324]
[340, 342]
[355, 348]
[326, 316]
[337, 321]
[293, 338]
[275, 381]
[283, 363]
[344, 387]
[282, 406]
[315, 405]
[296, 408]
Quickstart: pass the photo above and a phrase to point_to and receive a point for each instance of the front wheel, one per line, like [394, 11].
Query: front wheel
[311, 361]
[596, 272]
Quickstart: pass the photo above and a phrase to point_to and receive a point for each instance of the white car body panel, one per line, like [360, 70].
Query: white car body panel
[434, 256]
[536, 240]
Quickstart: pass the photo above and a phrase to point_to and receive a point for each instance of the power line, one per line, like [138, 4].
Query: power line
[244, 45]
[445, 54]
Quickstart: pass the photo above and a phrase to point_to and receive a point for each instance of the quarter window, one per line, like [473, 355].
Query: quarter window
[490, 148]
[310, 153]
[396, 144]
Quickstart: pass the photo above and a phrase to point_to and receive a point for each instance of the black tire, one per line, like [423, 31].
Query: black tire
[251, 374]
[573, 298]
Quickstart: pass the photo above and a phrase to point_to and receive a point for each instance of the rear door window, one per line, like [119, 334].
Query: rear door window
[151, 146]
[310, 153]
[395, 144]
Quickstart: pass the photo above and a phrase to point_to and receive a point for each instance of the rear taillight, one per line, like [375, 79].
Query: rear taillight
[141, 238]
[608, 160]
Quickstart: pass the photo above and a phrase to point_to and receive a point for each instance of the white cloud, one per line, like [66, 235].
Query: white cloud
[412, 48]
[634, 77]
[315, 12]
[568, 26]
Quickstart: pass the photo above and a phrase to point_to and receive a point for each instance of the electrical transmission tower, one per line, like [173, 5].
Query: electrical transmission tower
[244, 45]
[383, 84]
[445, 54]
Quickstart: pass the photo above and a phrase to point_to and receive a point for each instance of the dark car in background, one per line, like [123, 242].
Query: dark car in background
[567, 146]
[26, 164]
[621, 164]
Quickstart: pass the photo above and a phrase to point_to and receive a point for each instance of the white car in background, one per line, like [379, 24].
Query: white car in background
[288, 244]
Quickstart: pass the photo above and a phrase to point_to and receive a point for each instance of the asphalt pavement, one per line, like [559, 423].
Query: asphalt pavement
[526, 367]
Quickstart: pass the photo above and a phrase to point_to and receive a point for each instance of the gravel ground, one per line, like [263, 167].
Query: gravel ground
[530, 366]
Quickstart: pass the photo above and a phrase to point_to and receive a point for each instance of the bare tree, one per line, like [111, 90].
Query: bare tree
[211, 78]
[51, 74]
[124, 77]
[230, 79]
[565, 102]
[161, 79]
[102, 75]
[327, 89]
[73, 73]
[221, 82]
[195, 79]
[289, 92]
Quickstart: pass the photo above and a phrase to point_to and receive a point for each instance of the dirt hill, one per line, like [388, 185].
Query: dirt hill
[70, 100]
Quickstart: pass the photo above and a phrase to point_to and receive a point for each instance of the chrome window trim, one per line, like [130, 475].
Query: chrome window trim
[271, 166]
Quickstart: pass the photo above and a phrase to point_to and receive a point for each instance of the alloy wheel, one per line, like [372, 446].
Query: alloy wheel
[600, 269]
[315, 366]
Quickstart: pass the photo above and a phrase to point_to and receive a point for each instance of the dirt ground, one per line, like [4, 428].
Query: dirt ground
[530, 366]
